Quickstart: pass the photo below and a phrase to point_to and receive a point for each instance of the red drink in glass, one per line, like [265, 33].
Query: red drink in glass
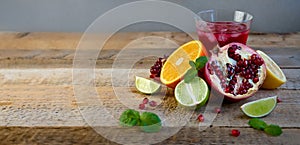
[223, 27]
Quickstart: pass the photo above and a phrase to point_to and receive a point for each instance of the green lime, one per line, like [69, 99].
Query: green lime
[260, 108]
[192, 93]
[146, 86]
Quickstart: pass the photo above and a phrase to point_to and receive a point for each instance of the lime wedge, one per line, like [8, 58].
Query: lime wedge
[260, 108]
[146, 86]
[192, 93]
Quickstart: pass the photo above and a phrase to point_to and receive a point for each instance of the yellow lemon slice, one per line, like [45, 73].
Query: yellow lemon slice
[275, 77]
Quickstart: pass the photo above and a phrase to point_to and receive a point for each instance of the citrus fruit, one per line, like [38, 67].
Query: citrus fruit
[177, 63]
[260, 108]
[146, 86]
[192, 93]
[275, 76]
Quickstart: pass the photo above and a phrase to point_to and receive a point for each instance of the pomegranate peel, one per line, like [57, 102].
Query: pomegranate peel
[236, 71]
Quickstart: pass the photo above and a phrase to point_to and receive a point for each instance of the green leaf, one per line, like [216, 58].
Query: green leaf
[192, 64]
[150, 122]
[273, 130]
[190, 75]
[130, 118]
[200, 62]
[257, 123]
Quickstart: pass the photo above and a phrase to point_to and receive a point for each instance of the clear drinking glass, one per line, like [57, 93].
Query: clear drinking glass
[223, 27]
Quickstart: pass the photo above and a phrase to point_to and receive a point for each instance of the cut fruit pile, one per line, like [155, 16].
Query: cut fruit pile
[235, 70]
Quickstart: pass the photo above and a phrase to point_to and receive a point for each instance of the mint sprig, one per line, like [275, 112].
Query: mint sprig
[148, 122]
[200, 62]
[273, 130]
[195, 67]
[257, 124]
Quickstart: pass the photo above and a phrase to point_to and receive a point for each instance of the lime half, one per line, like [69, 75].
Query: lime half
[193, 93]
[146, 86]
[260, 108]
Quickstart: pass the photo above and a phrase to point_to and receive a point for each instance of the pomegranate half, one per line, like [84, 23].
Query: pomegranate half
[236, 71]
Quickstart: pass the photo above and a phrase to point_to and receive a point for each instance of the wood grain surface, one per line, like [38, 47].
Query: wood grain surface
[38, 104]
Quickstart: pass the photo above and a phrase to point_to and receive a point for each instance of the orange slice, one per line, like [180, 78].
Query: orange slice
[177, 63]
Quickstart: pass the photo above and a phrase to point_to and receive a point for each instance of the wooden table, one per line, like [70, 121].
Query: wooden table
[38, 105]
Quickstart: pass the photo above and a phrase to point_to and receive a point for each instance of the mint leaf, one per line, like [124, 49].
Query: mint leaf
[150, 122]
[273, 130]
[190, 75]
[257, 123]
[200, 62]
[192, 64]
[130, 118]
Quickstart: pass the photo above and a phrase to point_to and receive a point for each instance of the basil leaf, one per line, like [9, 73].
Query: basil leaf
[190, 75]
[273, 130]
[200, 62]
[257, 123]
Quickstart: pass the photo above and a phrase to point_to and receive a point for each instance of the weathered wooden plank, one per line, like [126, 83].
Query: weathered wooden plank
[86, 135]
[15, 58]
[48, 40]
[103, 77]
[47, 105]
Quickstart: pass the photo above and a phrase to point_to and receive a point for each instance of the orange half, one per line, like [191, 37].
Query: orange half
[177, 63]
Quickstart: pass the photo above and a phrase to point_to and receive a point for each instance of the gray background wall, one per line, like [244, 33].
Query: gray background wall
[75, 15]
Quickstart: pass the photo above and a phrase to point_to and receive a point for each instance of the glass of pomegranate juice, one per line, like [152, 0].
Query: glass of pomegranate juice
[222, 27]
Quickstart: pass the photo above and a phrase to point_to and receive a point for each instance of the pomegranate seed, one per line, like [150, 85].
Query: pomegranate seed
[218, 110]
[145, 101]
[231, 55]
[200, 118]
[231, 50]
[253, 57]
[237, 69]
[240, 63]
[237, 57]
[255, 80]
[142, 106]
[234, 47]
[248, 76]
[245, 63]
[152, 103]
[279, 100]
[223, 81]
[235, 132]
[213, 64]
[232, 82]
[227, 90]
[152, 76]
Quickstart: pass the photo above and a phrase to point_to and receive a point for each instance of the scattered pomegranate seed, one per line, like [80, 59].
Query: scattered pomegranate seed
[235, 132]
[152, 103]
[152, 75]
[218, 110]
[142, 106]
[279, 100]
[145, 101]
[200, 118]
